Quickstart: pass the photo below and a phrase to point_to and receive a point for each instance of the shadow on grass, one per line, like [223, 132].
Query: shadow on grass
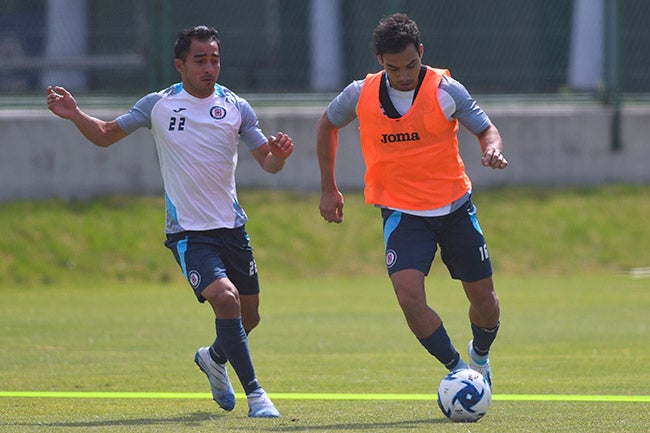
[193, 419]
[370, 426]
[198, 418]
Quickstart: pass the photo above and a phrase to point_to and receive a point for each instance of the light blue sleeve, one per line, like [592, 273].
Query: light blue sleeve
[140, 115]
[249, 132]
[343, 109]
[467, 111]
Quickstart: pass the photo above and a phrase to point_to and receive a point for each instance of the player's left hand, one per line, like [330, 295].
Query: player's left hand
[61, 102]
[494, 158]
[281, 145]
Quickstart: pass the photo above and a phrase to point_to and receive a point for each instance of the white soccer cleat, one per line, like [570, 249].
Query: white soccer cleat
[260, 405]
[479, 363]
[222, 391]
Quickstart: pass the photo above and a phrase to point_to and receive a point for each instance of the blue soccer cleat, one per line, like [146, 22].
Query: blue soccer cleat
[222, 391]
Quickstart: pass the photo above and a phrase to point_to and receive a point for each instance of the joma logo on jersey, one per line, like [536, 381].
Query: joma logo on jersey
[402, 136]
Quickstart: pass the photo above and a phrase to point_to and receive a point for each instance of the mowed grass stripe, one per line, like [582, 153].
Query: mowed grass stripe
[319, 396]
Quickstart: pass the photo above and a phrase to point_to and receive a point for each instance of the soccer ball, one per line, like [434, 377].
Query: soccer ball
[464, 395]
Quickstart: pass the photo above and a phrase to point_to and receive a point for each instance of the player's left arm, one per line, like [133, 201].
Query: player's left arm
[464, 108]
[492, 147]
[272, 155]
[269, 152]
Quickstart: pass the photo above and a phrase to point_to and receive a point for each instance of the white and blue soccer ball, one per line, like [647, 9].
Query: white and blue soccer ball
[464, 395]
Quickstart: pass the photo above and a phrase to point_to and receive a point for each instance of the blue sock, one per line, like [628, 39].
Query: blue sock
[483, 339]
[234, 343]
[216, 352]
[439, 345]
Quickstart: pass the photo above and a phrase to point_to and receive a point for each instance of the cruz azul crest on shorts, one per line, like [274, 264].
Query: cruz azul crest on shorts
[217, 112]
[391, 258]
[194, 278]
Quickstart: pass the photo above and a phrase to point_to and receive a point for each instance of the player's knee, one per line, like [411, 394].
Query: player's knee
[408, 285]
[227, 298]
[486, 301]
[222, 295]
[482, 295]
[409, 299]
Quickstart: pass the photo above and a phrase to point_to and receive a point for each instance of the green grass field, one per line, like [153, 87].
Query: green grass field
[96, 322]
[561, 338]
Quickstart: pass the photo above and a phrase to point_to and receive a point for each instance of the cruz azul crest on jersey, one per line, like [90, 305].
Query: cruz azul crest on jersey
[217, 112]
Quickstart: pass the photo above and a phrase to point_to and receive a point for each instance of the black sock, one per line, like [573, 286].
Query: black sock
[234, 343]
[483, 339]
[439, 345]
[216, 353]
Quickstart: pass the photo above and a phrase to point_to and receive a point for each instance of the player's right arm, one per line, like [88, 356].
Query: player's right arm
[331, 200]
[97, 131]
[340, 112]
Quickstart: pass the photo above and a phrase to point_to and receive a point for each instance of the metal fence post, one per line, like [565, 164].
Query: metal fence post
[612, 70]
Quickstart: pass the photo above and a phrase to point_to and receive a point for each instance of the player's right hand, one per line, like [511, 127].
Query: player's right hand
[331, 206]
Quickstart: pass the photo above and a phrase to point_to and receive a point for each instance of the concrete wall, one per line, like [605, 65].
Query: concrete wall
[42, 156]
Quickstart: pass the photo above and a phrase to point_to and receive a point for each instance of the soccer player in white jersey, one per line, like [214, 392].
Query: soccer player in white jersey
[197, 125]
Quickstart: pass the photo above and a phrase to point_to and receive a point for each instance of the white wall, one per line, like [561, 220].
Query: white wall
[42, 156]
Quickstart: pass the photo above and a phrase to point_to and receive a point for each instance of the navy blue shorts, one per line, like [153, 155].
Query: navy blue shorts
[412, 241]
[205, 256]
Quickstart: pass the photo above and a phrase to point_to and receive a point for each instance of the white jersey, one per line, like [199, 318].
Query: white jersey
[197, 142]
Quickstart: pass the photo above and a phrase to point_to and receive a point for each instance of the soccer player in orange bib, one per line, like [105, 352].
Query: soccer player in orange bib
[409, 115]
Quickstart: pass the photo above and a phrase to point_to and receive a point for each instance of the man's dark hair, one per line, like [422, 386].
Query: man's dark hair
[394, 33]
[200, 33]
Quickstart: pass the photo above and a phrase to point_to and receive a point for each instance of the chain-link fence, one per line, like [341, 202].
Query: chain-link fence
[548, 47]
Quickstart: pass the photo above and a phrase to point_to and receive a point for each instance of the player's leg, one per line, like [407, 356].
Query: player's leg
[408, 285]
[249, 305]
[224, 299]
[484, 314]
[423, 321]
[250, 314]
[259, 403]
[242, 272]
[200, 258]
[410, 249]
[223, 393]
[202, 266]
[484, 308]
[233, 340]
[464, 251]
